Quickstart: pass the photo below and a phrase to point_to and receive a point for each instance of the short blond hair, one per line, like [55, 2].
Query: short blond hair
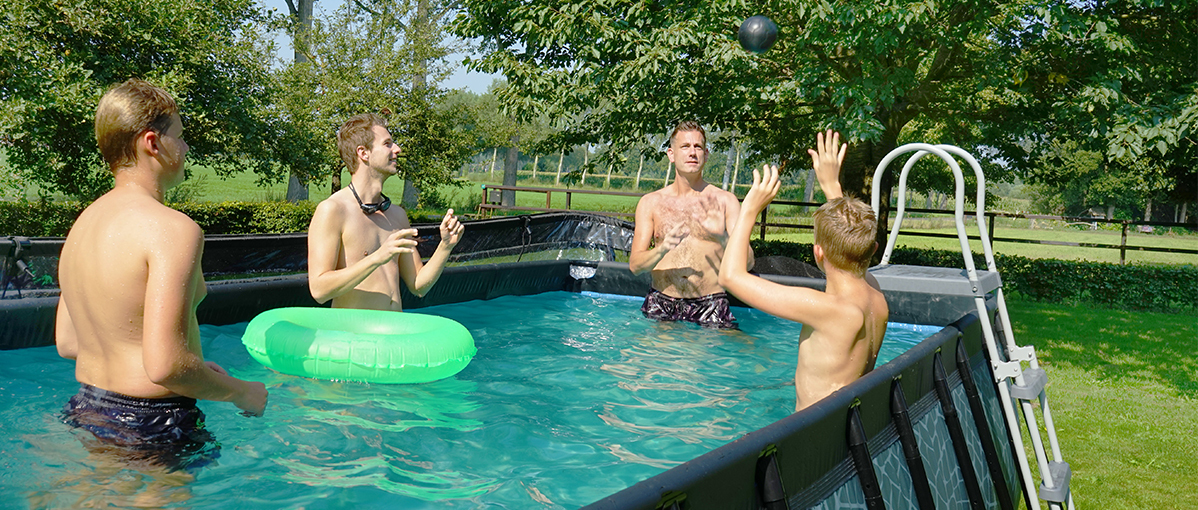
[125, 112]
[846, 229]
[358, 131]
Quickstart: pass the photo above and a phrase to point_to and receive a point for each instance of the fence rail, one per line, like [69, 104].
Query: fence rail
[492, 198]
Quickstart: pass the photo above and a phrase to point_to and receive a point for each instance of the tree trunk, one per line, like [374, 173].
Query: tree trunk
[1148, 211]
[509, 172]
[607, 182]
[535, 161]
[639, 168]
[297, 189]
[809, 189]
[494, 155]
[420, 23]
[735, 170]
[1110, 212]
[586, 158]
[560, 158]
[728, 165]
[336, 181]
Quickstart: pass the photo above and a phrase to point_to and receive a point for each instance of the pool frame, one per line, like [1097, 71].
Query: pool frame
[810, 448]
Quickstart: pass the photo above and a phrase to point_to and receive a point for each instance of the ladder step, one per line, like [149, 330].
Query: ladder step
[1060, 473]
[1034, 380]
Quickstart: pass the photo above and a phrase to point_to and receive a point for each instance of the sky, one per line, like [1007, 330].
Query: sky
[474, 82]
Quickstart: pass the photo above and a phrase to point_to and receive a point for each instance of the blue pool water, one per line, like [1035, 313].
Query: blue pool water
[571, 397]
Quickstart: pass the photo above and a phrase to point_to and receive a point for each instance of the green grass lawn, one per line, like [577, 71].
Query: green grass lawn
[1123, 389]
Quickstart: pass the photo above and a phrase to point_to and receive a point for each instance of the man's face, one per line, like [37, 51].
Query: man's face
[383, 153]
[688, 152]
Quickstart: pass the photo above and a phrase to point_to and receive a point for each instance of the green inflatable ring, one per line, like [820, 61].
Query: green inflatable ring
[359, 345]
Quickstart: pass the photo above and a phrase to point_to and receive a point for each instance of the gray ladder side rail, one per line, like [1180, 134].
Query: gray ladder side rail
[1054, 475]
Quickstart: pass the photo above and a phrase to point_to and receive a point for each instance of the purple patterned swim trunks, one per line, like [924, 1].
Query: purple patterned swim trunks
[709, 311]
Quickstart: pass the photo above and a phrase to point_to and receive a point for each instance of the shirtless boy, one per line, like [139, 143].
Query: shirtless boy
[131, 281]
[359, 245]
[687, 224]
[842, 326]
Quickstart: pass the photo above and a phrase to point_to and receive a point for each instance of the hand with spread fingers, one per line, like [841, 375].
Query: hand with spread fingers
[765, 188]
[826, 160]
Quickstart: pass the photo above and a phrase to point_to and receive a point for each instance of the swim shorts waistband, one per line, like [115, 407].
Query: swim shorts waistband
[112, 398]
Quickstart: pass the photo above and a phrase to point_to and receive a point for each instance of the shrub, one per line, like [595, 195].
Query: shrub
[1130, 287]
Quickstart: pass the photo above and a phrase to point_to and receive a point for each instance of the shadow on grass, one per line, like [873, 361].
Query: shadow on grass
[1112, 344]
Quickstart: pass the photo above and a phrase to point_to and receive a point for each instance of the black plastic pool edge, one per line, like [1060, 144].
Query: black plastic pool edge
[806, 445]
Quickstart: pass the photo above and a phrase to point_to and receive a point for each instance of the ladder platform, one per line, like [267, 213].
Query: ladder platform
[1034, 380]
[1060, 474]
[934, 280]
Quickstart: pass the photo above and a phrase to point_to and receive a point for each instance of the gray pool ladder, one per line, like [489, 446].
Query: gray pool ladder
[1019, 376]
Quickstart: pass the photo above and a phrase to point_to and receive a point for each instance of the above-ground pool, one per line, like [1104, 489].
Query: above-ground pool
[572, 397]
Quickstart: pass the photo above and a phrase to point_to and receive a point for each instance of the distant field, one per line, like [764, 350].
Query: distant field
[204, 185]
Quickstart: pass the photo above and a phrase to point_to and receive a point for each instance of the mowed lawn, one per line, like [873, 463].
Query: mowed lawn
[1123, 389]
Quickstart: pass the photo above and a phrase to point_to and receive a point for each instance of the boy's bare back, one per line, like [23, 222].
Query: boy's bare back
[843, 326]
[129, 258]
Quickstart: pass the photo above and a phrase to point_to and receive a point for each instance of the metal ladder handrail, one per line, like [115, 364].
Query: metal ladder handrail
[1002, 370]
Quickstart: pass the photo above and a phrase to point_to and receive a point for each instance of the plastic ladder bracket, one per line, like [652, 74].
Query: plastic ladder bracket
[1034, 380]
[1060, 473]
[1025, 353]
[1005, 370]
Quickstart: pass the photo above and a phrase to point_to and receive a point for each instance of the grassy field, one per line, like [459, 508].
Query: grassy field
[1123, 388]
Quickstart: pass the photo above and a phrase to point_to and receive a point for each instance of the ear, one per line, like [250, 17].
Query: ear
[818, 251]
[670, 153]
[363, 153]
[148, 141]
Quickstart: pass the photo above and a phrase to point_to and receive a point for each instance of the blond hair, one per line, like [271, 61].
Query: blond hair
[125, 112]
[358, 131]
[845, 228]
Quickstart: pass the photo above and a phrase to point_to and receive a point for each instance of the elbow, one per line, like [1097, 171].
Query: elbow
[165, 374]
[318, 294]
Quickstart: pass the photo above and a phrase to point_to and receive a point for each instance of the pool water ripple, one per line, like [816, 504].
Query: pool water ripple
[570, 398]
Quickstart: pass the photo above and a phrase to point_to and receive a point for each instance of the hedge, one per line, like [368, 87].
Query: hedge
[1133, 287]
[54, 219]
[1130, 287]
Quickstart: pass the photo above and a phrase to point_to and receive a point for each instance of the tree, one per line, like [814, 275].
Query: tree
[623, 69]
[57, 59]
[1119, 79]
[361, 58]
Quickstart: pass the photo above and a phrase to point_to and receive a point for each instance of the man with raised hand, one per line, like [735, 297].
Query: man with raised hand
[680, 235]
[131, 281]
[359, 245]
[843, 325]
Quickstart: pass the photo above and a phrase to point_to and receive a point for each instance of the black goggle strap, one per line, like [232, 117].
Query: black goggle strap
[371, 208]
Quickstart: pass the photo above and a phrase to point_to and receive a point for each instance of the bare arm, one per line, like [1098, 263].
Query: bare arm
[65, 336]
[325, 280]
[732, 211]
[642, 258]
[171, 350]
[420, 277]
[826, 160]
[799, 304]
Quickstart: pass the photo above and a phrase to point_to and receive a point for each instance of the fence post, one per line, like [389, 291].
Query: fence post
[992, 216]
[764, 212]
[1123, 245]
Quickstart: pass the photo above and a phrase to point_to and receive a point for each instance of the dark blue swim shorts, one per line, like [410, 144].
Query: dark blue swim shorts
[151, 432]
[709, 311]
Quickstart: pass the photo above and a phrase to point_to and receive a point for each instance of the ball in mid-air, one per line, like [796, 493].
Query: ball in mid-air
[757, 34]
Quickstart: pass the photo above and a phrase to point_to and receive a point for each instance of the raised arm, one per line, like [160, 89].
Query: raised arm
[171, 352]
[799, 304]
[325, 280]
[642, 258]
[826, 160]
[420, 277]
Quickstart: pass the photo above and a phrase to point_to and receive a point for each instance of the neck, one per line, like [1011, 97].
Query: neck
[140, 179]
[369, 184]
[839, 278]
[686, 183]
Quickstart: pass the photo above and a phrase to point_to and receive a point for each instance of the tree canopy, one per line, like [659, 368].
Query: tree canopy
[998, 78]
[57, 59]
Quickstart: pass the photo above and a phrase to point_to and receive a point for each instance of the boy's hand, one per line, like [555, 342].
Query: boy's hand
[674, 237]
[765, 188]
[451, 229]
[826, 160]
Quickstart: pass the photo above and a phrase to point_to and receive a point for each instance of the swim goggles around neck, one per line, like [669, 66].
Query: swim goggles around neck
[371, 208]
